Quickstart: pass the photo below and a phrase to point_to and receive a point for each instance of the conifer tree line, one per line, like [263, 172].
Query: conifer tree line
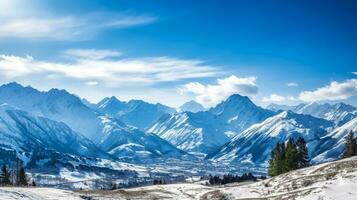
[288, 156]
[14, 176]
[230, 178]
[294, 154]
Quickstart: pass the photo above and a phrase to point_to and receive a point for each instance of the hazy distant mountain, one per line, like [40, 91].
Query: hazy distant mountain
[206, 131]
[340, 113]
[253, 146]
[89, 104]
[191, 106]
[136, 113]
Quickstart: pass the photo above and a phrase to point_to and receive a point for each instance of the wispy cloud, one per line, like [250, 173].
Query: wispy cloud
[127, 21]
[92, 83]
[333, 92]
[210, 95]
[292, 84]
[355, 73]
[95, 54]
[278, 98]
[17, 22]
[112, 72]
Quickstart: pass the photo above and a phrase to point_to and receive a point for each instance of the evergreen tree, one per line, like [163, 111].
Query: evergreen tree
[291, 156]
[276, 162]
[351, 146]
[22, 177]
[5, 175]
[273, 164]
[303, 154]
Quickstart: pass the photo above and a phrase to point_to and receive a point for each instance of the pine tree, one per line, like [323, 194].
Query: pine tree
[273, 163]
[303, 154]
[291, 156]
[5, 175]
[351, 146]
[22, 177]
[277, 159]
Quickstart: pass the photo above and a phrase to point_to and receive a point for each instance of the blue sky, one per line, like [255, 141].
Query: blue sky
[285, 52]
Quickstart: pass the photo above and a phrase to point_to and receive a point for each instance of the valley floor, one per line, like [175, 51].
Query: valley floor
[329, 181]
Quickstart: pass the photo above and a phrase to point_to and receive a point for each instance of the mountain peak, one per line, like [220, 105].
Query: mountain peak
[344, 106]
[191, 106]
[237, 97]
[12, 84]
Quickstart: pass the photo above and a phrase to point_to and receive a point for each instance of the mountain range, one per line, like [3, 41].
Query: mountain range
[340, 113]
[235, 131]
[204, 132]
[136, 113]
[253, 146]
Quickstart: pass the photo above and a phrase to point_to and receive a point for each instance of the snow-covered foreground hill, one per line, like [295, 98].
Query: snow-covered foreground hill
[334, 180]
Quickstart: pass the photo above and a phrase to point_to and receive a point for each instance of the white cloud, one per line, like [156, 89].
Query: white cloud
[112, 72]
[92, 83]
[278, 98]
[355, 73]
[29, 26]
[127, 21]
[292, 84]
[274, 98]
[210, 95]
[333, 92]
[94, 54]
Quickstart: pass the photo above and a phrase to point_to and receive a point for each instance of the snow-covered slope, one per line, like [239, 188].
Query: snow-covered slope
[136, 113]
[253, 146]
[130, 143]
[239, 112]
[191, 106]
[58, 105]
[24, 132]
[340, 113]
[194, 132]
[204, 132]
[330, 181]
[333, 143]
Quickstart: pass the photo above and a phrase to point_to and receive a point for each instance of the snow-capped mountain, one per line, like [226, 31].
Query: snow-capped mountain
[193, 132]
[58, 105]
[111, 106]
[104, 131]
[340, 113]
[136, 113]
[240, 112]
[204, 132]
[24, 132]
[130, 143]
[253, 146]
[333, 143]
[191, 106]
